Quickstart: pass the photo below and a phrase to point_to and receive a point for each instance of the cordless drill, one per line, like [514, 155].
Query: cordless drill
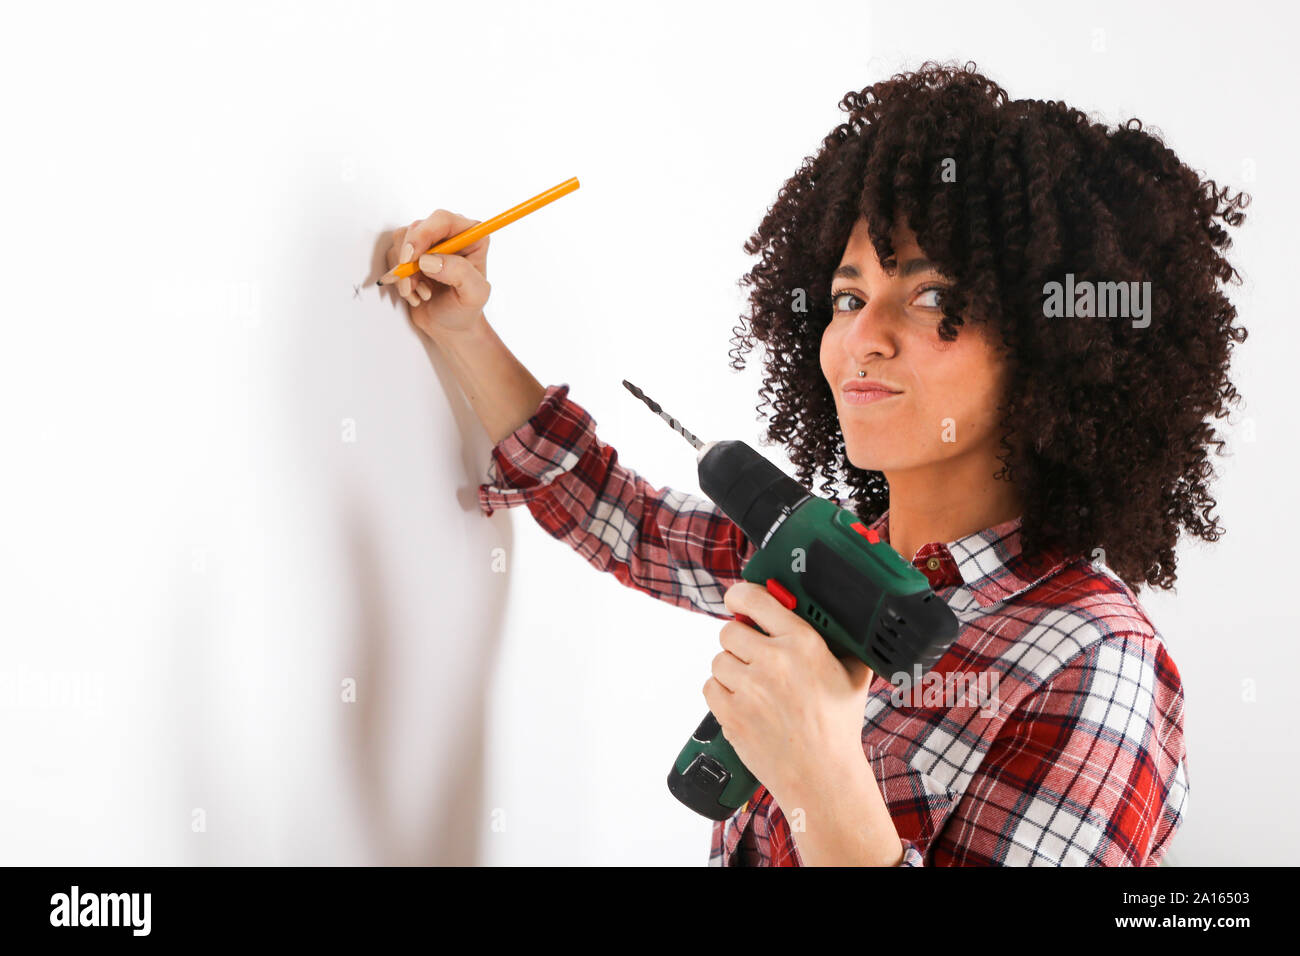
[820, 561]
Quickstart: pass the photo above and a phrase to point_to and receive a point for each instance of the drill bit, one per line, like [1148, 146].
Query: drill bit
[654, 407]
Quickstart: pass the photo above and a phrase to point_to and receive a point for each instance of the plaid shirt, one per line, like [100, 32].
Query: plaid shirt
[1076, 758]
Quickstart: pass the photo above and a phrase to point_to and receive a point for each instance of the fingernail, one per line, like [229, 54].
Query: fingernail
[431, 263]
[425, 294]
[408, 250]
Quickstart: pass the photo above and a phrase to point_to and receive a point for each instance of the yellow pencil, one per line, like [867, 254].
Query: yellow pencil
[474, 233]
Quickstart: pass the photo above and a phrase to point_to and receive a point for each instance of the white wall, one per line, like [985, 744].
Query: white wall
[190, 195]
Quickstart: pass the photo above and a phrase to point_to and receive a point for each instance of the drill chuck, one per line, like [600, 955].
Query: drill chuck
[750, 490]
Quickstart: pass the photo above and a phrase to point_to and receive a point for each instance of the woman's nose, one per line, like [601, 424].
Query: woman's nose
[871, 331]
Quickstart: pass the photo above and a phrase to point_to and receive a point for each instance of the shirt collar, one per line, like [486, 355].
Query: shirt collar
[988, 563]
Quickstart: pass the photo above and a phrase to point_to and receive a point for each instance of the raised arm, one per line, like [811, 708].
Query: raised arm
[673, 546]
[446, 299]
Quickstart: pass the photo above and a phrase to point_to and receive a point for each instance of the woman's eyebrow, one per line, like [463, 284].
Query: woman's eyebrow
[910, 267]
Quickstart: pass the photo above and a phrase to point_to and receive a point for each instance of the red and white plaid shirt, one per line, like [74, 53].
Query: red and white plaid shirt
[1076, 759]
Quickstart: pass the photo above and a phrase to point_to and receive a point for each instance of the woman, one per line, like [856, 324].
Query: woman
[1000, 325]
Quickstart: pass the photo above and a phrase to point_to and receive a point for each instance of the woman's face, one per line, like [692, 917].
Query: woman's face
[888, 326]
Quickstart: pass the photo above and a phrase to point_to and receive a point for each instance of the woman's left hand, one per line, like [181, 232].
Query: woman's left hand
[790, 708]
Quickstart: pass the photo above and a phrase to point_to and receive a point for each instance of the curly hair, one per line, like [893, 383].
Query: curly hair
[1110, 420]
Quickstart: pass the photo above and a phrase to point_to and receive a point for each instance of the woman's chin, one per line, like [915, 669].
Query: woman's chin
[872, 462]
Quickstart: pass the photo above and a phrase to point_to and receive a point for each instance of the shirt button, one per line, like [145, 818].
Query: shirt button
[932, 564]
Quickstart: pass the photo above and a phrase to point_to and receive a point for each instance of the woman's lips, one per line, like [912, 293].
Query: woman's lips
[866, 396]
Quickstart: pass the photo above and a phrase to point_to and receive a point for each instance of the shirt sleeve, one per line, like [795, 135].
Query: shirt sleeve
[1089, 771]
[674, 546]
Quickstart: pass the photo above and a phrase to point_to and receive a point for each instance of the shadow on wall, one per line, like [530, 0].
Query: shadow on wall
[457, 816]
[339, 561]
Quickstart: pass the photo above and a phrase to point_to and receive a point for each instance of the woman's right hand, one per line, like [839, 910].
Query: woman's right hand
[446, 299]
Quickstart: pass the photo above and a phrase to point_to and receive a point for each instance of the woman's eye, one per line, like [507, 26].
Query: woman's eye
[836, 296]
[931, 291]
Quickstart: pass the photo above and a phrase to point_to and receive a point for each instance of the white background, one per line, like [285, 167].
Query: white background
[193, 556]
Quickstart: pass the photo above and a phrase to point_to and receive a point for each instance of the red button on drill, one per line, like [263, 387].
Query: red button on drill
[860, 528]
[782, 593]
[778, 591]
